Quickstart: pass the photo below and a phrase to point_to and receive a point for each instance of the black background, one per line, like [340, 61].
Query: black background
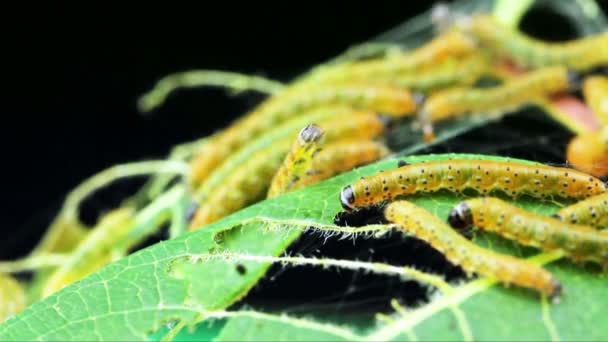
[73, 80]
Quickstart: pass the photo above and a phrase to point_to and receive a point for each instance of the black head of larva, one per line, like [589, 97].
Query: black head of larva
[309, 134]
[402, 163]
[347, 198]
[460, 217]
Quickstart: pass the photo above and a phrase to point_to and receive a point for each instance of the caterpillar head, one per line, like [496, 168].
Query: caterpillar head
[310, 134]
[460, 217]
[347, 198]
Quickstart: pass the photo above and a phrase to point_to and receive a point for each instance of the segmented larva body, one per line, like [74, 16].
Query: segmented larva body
[472, 258]
[579, 54]
[450, 45]
[359, 125]
[298, 161]
[484, 176]
[343, 156]
[595, 90]
[588, 152]
[452, 72]
[520, 91]
[577, 242]
[248, 182]
[393, 101]
[590, 212]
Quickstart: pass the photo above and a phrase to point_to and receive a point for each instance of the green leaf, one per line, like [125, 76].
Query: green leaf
[169, 282]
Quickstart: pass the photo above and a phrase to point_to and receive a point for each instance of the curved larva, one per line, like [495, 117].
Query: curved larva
[595, 91]
[484, 176]
[343, 156]
[360, 125]
[450, 45]
[520, 91]
[590, 212]
[250, 180]
[393, 101]
[579, 54]
[472, 258]
[298, 161]
[581, 243]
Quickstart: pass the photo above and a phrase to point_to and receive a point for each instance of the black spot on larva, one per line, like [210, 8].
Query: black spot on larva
[402, 163]
[240, 269]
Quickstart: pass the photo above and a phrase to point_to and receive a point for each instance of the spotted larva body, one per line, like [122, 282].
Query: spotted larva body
[484, 176]
[298, 161]
[592, 211]
[510, 95]
[472, 258]
[577, 242]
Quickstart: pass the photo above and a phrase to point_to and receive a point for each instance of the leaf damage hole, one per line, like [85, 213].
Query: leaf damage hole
[351, 291]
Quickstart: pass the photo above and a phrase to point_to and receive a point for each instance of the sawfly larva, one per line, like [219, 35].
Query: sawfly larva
[577, 242]
[484, 176]
[472, 258]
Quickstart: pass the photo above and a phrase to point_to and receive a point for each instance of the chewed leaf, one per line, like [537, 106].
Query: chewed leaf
[140, 294]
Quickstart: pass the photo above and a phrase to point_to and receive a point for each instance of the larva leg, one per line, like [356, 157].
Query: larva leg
[472, 258]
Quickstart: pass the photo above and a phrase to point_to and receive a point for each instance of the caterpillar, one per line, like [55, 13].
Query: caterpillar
[533, 85]
[580, 54]
[588, 152]
[446, 46]
[595, 91]
[393, 101]
[472, 258]
[508, 96]
[578, 242]
[590, 212]
[249, 181]
[343, 156]
[451, 72]
[298, 161]
[360, 126]
[484, 176]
